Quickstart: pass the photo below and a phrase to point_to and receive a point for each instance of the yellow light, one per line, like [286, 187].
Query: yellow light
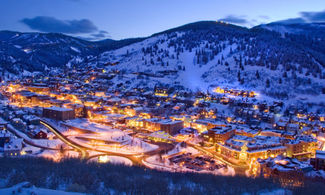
[219, 90]
[103, 159]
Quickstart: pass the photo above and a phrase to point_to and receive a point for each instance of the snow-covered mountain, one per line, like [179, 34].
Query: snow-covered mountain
[41, 51]
[203, 54]
[316, 30]
[279, 60]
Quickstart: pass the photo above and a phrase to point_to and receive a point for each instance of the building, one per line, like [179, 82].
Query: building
[244, 149]
[3, 124]
[13, 147]
[289, 171]
[38, 88]
[39, 134]
[58, 113]
[134, 122]
[167, 125]
[4, 139]
[319, 161]
[203, 125]
[171, 127]
[301, 147]
[160, 136]
[79, 109]
[247, 131]
[220, 134]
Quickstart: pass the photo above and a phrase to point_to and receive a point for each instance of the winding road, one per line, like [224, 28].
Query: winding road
[81, 149]
[136, 159]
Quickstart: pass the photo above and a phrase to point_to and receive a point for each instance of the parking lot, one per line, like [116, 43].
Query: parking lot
[197, 162]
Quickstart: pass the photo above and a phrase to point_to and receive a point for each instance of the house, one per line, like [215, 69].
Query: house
[39, 134]
[4, 138]
[13, 147]
[292, 127]
[280, 126]
[19, 124]
[3, 124]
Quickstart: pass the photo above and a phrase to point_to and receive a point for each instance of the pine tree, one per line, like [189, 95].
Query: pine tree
[285, 74]
[257, 75]
[267, 83]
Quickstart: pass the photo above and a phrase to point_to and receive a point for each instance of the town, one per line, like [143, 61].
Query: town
[223, 131]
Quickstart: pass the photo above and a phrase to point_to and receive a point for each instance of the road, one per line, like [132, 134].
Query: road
[239, 169]
[81, 149]
[13, 130]
[136, 159]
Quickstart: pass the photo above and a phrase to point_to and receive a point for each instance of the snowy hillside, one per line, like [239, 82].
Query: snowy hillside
[311, 29]
[204, 54]
[26, 188]
[43, 51]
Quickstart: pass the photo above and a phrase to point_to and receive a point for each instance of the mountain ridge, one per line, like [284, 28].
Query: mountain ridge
[220, 53]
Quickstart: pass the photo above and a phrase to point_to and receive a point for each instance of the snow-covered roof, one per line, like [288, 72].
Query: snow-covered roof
[320, 154]
[14, 144]
[60, 109]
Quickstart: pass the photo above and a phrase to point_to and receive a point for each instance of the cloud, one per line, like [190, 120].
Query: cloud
[305, 17]
[264, 17]
[292, 21]
[51, 24]
[100, 35]
[313, 16]
[235, 19]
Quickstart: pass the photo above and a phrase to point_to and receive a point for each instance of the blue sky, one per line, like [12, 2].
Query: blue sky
[119, 19]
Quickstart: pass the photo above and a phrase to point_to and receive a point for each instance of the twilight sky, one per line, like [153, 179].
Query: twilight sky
[118, 19]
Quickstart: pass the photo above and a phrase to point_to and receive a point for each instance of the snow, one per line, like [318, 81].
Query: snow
[75, 49]
[112, 160]
[61, 109]
[179, 149]
[18, 46]
[25, 188]
[27, 50]
[272, 192]
[40, 142]
[203, 76]
[154, 162]
[281, 29]
[115, 140]
[275, 192]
